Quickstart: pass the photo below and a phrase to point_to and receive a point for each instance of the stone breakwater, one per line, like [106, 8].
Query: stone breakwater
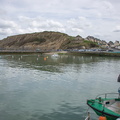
[111, 54]
[91, 53]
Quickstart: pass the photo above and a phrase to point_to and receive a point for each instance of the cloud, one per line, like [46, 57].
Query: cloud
[40, 24]
[88, 17]
[7, 24]
[77, 30]
[2, 11]
[7, 27]
[102, 9]
[45, 24]
[7, 31]
[80, 23]
[117, 29]
[78, 26]
[29, 25]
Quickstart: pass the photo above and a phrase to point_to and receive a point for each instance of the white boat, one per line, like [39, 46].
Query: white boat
[55, 55]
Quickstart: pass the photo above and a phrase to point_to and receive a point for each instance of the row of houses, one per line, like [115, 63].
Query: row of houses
[103, 43]
[116, 44]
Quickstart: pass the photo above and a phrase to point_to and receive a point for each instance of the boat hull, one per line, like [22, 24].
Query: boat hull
[101, 110]
[108, 116]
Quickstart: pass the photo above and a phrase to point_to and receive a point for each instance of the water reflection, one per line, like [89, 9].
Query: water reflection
[35, 87]
[49, 62]
[64, 112]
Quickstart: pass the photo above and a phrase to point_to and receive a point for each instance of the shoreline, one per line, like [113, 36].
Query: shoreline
[102, 54]
[108, 54]
[57, 52]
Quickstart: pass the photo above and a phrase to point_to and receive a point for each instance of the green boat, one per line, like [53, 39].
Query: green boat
[107, 106]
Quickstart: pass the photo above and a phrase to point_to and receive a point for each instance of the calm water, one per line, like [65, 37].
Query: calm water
[35, 87]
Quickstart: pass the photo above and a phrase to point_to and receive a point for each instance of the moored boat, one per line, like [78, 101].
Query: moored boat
[107, 106]
[55, 55]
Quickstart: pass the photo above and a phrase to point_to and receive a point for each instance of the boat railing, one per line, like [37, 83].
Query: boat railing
[106, 95]
[110, 102]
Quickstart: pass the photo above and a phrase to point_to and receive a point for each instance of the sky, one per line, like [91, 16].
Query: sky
[98, 18]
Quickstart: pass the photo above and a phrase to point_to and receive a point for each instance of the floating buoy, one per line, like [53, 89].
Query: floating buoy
[102, 118]
[45, 58]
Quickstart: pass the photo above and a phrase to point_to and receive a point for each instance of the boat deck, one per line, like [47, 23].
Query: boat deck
[115, 107]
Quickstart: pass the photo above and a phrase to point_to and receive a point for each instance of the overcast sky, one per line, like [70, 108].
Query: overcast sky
[98, 18]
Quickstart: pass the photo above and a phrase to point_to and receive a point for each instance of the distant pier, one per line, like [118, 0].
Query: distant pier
[24, 51]
[68, 51]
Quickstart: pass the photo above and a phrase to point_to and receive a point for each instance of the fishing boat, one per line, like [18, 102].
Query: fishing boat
[106, 105]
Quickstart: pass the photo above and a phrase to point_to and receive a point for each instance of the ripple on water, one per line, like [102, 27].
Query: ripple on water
[32, 89]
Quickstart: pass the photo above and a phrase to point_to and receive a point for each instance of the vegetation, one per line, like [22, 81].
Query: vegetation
[40, 40]
[71, 38]
[90, 43]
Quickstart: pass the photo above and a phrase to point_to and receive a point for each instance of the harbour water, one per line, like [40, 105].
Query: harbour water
[46, 87]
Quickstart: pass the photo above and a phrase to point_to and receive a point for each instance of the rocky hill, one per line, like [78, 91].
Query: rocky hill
[45, 41]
